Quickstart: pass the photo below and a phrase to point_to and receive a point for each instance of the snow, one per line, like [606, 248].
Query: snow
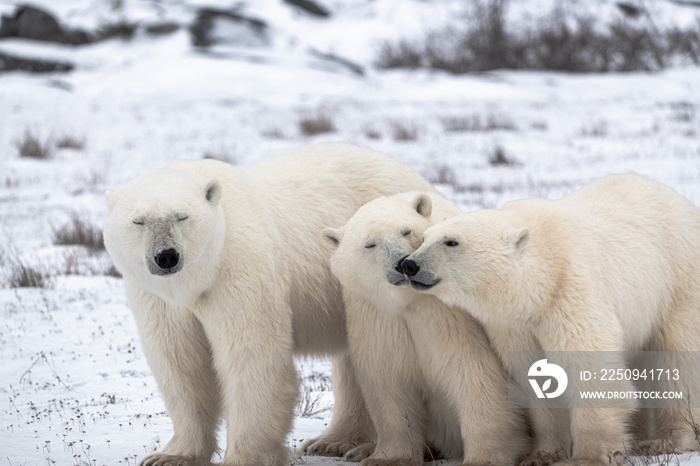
[76, 385]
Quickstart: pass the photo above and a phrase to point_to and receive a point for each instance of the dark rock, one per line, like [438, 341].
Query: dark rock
[33, 65]
[29, 22]
[214, 26]
[629, 9]
[161, 29]
[343, 62]
[310, 7]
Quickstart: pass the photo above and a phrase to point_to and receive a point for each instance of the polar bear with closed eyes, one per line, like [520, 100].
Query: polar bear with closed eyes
[228, 278]
[428, 375]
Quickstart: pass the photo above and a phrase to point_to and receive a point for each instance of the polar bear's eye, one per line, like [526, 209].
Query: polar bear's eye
[370, 244]
[405, 231]
[182, 217]
[139, 221]
[451, 243]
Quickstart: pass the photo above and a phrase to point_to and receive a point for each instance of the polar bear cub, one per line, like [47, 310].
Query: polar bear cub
[425, 369]
[614, 266]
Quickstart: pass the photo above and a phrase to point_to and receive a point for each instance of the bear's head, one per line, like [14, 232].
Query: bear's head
[473, 261]
[166, 225]
[370, 248]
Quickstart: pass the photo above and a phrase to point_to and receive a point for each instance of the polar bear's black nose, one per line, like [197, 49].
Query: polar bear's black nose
[167, 259]
[409, 267]
[399, 264]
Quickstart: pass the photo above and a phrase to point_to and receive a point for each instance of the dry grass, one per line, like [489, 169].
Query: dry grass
[78, 264]
[404, 131]
[78, 232]
[598, 129]
[371, 133]
[402, 54]
[111, 271]
[319, 123]
[23, 275]
[32, 146]
[273, 132]
[683, 112]
[442, 173]
[477, 123]
[70, 142]
[499, 158]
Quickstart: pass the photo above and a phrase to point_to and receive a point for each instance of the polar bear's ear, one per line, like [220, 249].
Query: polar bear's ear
[333, 236]
[111, 198]
[423, 205]
[516, 238]
[213, 191]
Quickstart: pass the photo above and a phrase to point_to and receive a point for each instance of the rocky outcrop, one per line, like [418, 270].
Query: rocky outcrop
[213, 26]
[310, 7]
[33, 65]
[29, 22]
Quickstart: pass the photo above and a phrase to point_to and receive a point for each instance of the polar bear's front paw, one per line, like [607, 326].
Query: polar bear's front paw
[161, 459]
[655, 447]
[325, 447]
[543, 458]
[360, 452]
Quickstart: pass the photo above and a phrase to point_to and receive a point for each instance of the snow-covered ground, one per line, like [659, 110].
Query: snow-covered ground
[75, 383]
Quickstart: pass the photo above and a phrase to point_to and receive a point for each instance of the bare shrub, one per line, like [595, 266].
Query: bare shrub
[309, 403]
[404, 131]
[70, 142]
[78, 232]
[33, 147]
[562, 41]
[312, 125]
[499, 158]
[371, 133]
[442, 173]
[402, 54]
[683, 112]
[312, 389]
[684, 43]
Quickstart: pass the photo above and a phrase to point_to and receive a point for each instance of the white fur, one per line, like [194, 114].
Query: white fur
[255, 287]
[614, 266]
[426, 370]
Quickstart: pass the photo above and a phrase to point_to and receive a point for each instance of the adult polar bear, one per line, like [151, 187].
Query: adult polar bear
[614, 266]
[227, 276]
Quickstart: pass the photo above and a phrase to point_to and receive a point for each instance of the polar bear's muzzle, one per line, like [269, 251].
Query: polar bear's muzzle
[165, 262]
[419, 278]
